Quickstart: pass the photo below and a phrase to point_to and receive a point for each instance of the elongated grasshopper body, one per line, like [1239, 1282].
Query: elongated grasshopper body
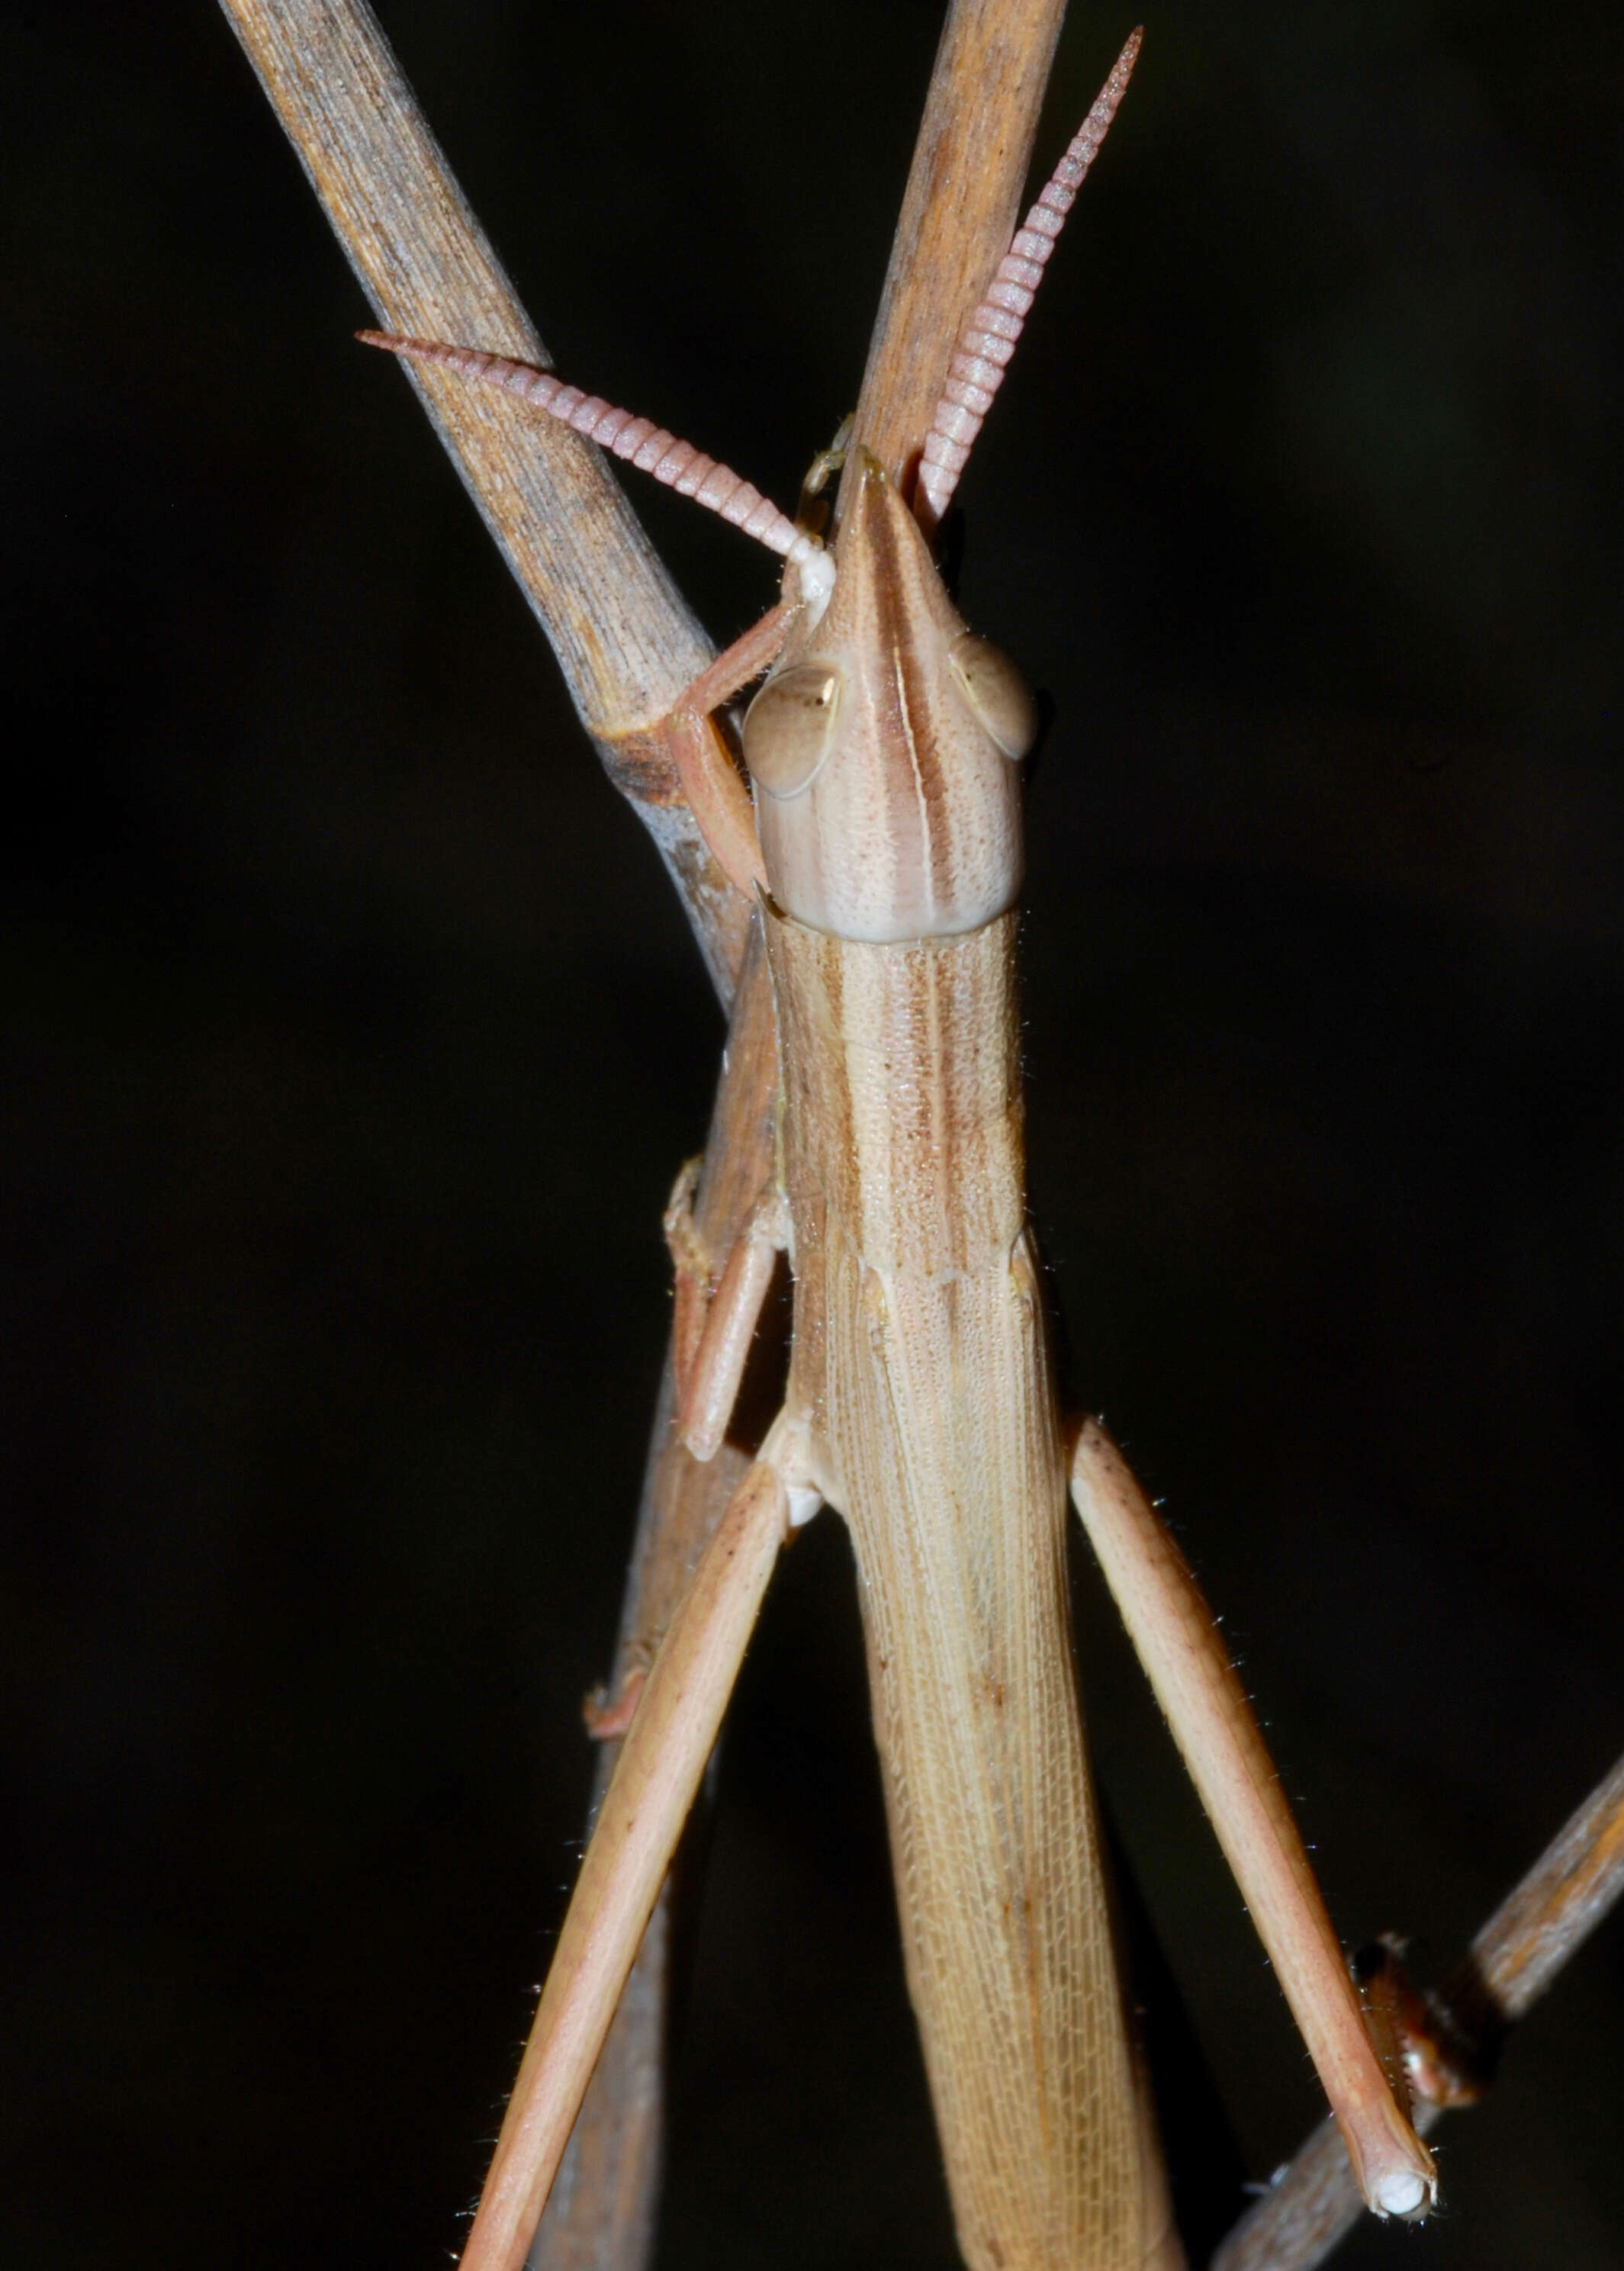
[921, 1374]
[885, 855]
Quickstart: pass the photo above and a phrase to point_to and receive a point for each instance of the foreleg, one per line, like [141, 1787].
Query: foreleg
[716, 1318]
[715, 794]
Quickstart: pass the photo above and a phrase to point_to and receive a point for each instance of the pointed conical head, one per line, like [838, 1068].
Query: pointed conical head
[884, 747]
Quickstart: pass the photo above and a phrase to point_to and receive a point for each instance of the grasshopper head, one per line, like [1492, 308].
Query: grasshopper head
[884, 747]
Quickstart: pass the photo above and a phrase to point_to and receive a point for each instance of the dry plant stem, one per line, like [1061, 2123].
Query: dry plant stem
[600, 2216]
[654, 1784]
[958, 212]
[1542, 1921]
[628, 647]
[993, 330]
[624, 638]
[1212, 1722]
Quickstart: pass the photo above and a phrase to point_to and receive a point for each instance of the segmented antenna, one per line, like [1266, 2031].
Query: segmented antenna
[649, 447]
[988, 340]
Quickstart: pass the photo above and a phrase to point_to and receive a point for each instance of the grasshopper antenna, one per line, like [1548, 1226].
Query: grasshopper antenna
[988, 340]
[650, 447]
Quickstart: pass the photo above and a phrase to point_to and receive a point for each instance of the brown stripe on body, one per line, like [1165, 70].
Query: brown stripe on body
[922, 820]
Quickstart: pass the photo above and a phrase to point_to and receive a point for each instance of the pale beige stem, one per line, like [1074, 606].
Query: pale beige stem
[654, 1784]
[958, 212]
[1544, 1920]
[600, 2215]
[1212, 1722]
[624, 638]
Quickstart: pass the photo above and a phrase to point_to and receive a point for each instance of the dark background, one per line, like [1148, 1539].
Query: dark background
[354, 1036]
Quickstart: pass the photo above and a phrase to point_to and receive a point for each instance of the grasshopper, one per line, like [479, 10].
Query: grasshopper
[883, 851]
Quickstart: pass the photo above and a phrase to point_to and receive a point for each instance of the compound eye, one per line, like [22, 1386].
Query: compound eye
[997, 693]
[789, 726]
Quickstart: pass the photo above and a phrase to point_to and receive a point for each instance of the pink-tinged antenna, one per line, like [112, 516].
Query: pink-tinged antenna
[988, 340]
[649, 447]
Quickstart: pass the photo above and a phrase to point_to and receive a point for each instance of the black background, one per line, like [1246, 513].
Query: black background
[353, 1038]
